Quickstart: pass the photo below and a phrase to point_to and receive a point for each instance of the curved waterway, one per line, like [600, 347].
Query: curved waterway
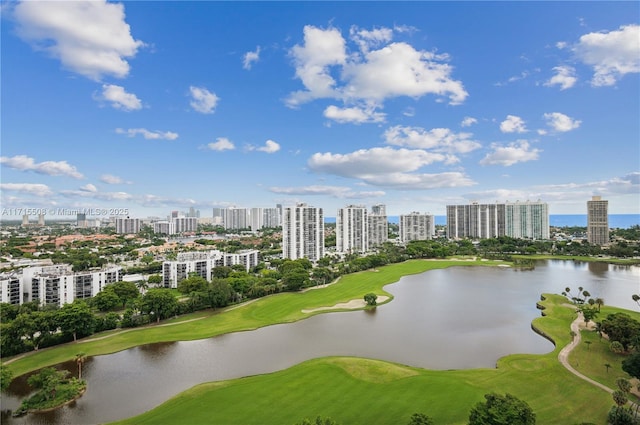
[455, 318]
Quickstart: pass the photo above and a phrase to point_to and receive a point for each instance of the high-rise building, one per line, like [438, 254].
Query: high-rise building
[256, 219]
[235, 218]
[272, 217]
[513, 219]
[378, 226]
[128, 225]
[59, 284]
[352, 229]
[164, 227]
[598, 221]
[527, 220]
[81, 221]
[303, 232]
[217, 216]
[184, 224]
[202, 264]
[416, 227]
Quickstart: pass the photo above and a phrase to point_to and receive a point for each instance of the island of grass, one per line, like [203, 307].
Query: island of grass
[55, 389]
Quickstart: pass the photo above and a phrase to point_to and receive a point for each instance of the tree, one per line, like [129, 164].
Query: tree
[80, 359]
[588, 313]
[599, 303]
[159, 302]
[107, 299]
[295, 279]
[5, 377]
[219, 293]
[371, 299]
[47, 380]
[631, 365]
[420, 419]
[126, 291]
[76, 319]
[155, 279]
[621, 327]
[616, 347]
[621, 416]
[502, 410]
[191, 284]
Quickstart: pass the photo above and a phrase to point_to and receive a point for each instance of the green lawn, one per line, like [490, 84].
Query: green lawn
[363, 391]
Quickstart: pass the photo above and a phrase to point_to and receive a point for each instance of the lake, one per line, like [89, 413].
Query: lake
[433, 320]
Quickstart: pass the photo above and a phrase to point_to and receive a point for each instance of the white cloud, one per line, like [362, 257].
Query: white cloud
[612, 54]
[366, 39]
[437, 139]
[388, 167]
[365, 162]
[333, 191]
[85, 192]
[354, 115]
[147, 134]
[269, 147]
[321, 49]
[221, 144]
[564, 77]
[400, 70]
[406, 181]
[468, 122]
[203, 100]
[513, 124]
[560, 122]
[119, 98]
[251, 57]
[511, 154]
[90, 38]
[111, 179]
[51, 168]
[395, 69]
[27, 188]
[89, 188]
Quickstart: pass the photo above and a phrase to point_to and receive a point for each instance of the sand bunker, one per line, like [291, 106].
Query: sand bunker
[351, 305]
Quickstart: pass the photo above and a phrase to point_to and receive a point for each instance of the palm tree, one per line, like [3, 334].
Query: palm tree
[80, 358]
[600, 303]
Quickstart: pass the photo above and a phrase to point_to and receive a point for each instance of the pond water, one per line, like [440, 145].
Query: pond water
[433, 321]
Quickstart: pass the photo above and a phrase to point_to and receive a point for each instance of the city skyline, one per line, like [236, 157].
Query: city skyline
[417, 105]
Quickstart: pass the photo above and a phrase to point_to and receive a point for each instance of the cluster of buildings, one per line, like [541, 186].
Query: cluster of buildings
[358, 231]
[55, 284]
[58, 284]
[202, 263]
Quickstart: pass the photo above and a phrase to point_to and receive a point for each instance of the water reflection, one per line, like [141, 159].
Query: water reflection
[432, 322]
[598, 269]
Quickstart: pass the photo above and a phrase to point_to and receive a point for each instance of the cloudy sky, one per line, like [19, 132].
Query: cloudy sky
[162, 106]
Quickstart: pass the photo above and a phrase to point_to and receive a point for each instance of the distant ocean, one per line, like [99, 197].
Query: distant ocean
[621, 221]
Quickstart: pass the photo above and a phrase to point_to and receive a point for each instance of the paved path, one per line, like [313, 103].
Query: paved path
[563, 356]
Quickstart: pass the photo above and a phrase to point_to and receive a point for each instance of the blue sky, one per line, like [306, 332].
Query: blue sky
[160, 106]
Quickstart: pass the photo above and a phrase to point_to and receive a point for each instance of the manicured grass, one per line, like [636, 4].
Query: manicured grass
[590, 359]
[279, 308]
[362, 391]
